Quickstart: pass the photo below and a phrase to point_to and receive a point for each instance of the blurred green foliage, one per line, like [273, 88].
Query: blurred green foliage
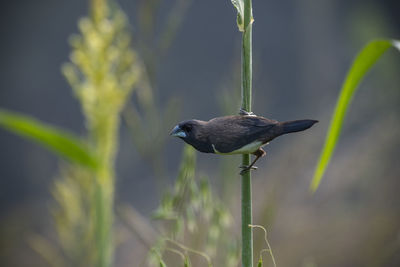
[192, 216]
[361, 65]
[102, 74]
[57, 140]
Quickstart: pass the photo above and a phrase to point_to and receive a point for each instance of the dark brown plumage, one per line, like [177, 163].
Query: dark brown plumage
[236, 134]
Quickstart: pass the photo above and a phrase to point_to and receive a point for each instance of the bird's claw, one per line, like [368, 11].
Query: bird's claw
[246, 113]
[246, 169]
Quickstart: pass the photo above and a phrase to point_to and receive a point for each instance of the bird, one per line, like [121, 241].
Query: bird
[236, 134]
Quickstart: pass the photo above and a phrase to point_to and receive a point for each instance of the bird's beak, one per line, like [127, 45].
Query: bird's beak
[178, 132]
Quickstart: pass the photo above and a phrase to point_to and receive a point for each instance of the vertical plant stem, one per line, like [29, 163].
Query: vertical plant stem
[247, 233]
[103, 73]
[103, 132]
[105, 142]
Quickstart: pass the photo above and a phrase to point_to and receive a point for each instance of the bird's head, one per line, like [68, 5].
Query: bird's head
[186, 130]
[194, 133]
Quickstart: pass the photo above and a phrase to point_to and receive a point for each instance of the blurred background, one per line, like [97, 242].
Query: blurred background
[302, 51]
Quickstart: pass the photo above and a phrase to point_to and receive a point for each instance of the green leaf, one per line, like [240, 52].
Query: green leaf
[363, 62]
[239, 5]
[56, 140]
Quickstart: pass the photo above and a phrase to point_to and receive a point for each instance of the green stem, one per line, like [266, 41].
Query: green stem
[247, 57]
[247, 234]
[103, 129]
[104, 137]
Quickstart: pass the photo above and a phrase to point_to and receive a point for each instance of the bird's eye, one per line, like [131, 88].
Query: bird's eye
[187, 128]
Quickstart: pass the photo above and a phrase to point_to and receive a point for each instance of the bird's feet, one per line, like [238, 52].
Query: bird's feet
[246, 168]
[246, 113]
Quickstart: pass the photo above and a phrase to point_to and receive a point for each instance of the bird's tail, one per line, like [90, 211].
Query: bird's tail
[296, 126]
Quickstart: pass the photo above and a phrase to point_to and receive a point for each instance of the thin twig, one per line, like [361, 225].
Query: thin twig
[266, 241]
[190, 250]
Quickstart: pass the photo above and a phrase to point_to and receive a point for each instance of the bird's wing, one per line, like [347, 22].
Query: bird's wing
[229, 134]
[254, 121]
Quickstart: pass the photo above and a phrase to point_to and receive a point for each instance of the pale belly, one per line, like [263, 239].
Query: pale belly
[247, 149]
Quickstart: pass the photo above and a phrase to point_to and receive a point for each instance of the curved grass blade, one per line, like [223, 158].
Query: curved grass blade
[363, 62]
[56, 140]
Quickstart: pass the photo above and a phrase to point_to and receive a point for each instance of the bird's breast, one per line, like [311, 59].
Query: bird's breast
[247, 149]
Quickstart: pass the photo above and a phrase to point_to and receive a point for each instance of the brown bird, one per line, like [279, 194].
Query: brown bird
[242, 134]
